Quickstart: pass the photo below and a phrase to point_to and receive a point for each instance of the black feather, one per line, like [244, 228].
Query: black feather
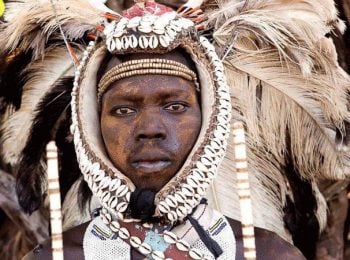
[31, 169]
[12, 79]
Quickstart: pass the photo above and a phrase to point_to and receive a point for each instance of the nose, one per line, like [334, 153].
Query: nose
[150, 127]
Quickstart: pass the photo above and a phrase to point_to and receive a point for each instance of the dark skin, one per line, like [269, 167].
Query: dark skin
[149, 125]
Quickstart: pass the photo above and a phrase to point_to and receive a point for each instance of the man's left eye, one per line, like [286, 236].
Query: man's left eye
[176, 107]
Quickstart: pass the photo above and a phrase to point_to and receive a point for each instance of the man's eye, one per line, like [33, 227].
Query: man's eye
[123, 111]
[176, 107]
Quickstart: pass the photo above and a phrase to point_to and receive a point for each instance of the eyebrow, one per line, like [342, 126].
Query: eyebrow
[164, 95]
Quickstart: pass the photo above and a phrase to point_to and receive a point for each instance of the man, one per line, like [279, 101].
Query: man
[118, 178]
[149, 125]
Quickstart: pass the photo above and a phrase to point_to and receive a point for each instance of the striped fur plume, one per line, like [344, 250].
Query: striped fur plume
[31, 24]
[292, 96]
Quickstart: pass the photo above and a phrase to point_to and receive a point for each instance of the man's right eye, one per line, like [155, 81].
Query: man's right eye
[124, 111]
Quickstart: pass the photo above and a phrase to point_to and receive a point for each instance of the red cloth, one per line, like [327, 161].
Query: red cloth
[150, 7]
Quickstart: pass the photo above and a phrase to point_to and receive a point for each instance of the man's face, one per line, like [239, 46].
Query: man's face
[149, 126]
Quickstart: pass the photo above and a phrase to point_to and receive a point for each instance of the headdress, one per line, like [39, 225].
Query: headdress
[285, 83]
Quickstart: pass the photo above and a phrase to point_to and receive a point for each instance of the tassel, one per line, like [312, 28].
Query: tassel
[210, 243]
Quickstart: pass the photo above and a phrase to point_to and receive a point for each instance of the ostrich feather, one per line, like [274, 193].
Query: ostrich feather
[30, 24]
[41, 75]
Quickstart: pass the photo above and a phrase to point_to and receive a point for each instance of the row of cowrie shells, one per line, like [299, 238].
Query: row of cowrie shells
[147, 24]
[165, 28]
[146, 249]
[179, 204]
[112, 193]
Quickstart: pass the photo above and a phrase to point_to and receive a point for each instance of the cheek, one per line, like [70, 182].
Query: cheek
[114, 139]
[186, 131]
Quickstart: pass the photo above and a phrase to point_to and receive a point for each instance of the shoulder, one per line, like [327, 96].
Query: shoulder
[73, 246]
[268, 244]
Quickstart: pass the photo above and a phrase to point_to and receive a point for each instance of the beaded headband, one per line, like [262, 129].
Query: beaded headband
[145, 67]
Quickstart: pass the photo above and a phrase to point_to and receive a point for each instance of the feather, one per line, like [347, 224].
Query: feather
[31, 169]
[30, 24]
[41, 75]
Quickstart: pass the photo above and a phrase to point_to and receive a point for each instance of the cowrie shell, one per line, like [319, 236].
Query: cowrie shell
[110, 44]
[133, 41]
[164, 40]
[172, 216]
[122, 206]
[187, 190]
[125, 42]
[135, 241]
[94, 187]
[121, 190]
[179, 197]
[105, 196]
[115, 226]
[106, 218]
[163, 207]
[145, 29]
[202, 167]
[171, 32]
[114, 184]
[182, 245]
[99, 176]
[181, 212]
[198, 175]
[95, 167]
[153, 42]
[122, 23]
[113, 201]
[118, 33]
[104, 183]
[143, 42]
[109, 28]
[158, 255]
[99, 193]
[171, 201]
[192, 182]
[145, 249]
[118, 44]
[169, 237]
[134, 22]
[195, 254]
[123, 233]
[158, 30]
[206, 161]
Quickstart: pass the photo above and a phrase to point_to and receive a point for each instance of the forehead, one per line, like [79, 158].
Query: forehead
[151, 86]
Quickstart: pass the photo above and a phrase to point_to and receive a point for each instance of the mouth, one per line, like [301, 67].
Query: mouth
[151, 165]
